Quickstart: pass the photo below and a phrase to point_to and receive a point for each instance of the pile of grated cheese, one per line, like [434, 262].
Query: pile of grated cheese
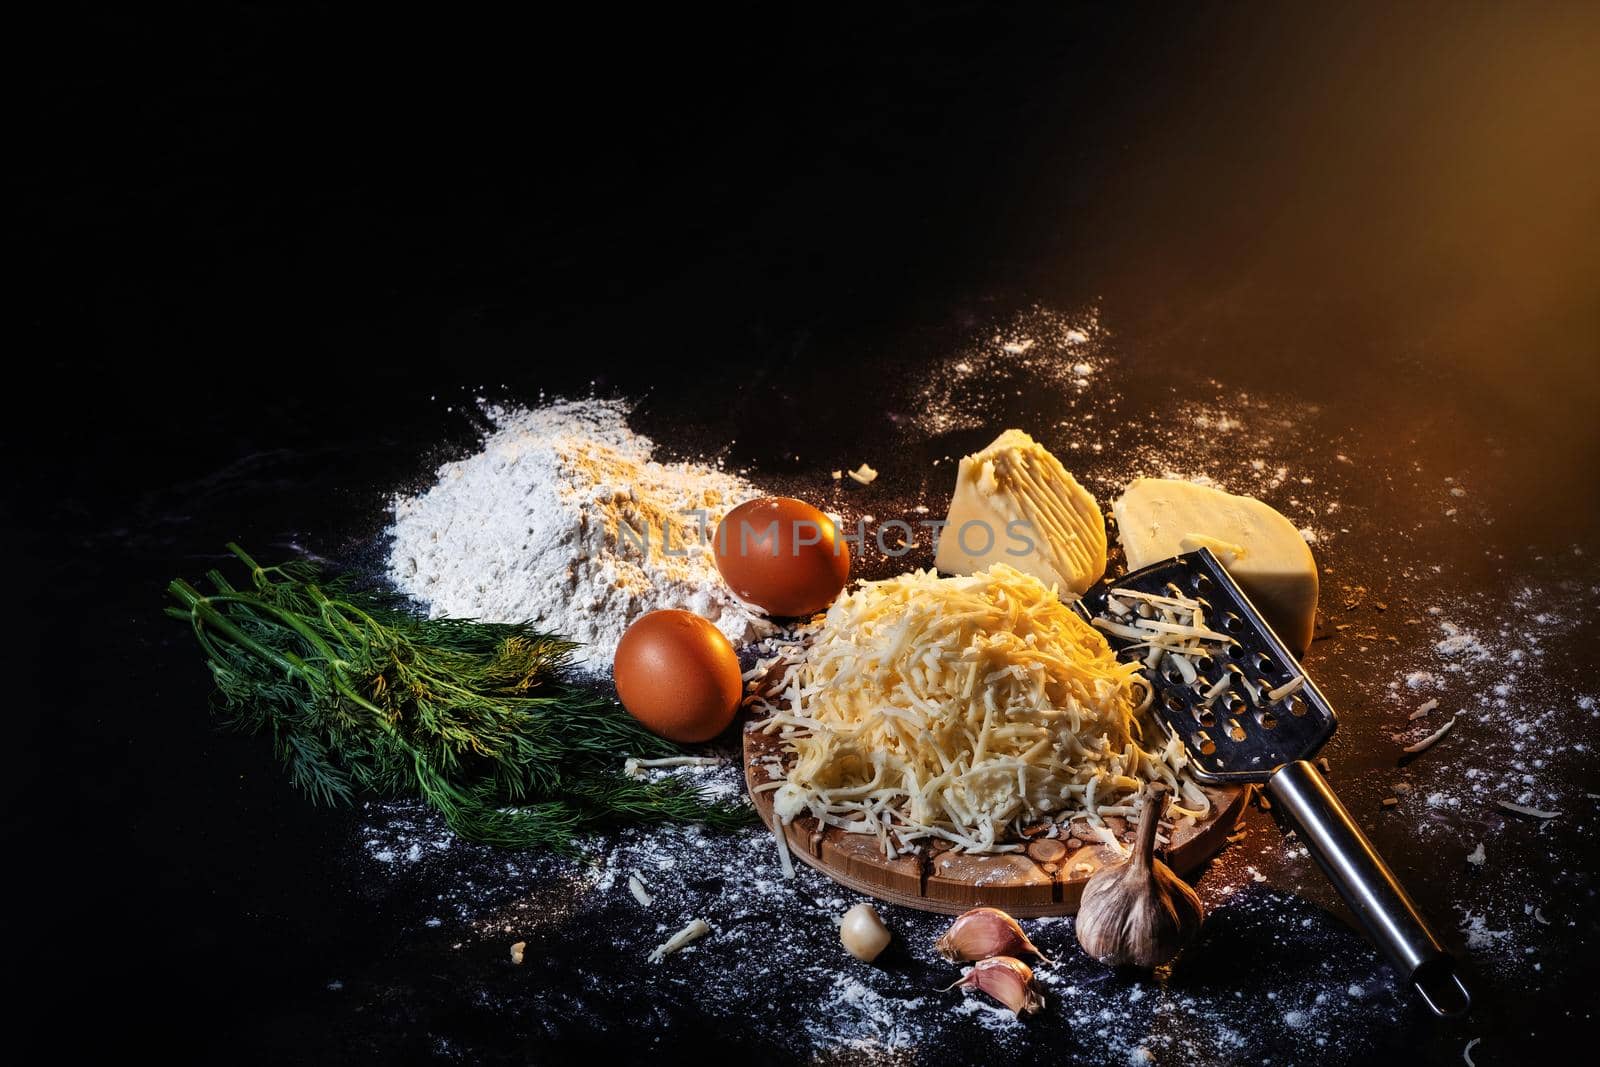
[961, 709]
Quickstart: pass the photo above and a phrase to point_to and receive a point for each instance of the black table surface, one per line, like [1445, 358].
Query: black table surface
[275, 263]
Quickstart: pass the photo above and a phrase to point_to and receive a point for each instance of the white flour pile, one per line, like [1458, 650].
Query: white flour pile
[545, 524]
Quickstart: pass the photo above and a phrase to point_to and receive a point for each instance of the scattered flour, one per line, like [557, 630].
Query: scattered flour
[775, 956]
[1457, 643]
[1523, 736]
[1038, 350]
[564, 520]
[1478, 934]
[1051, 375]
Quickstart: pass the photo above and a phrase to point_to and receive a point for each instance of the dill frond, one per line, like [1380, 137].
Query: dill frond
[362, 695]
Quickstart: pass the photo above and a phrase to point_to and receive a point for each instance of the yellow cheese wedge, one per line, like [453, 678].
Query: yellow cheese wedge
[1158, 518]
[1016, 504]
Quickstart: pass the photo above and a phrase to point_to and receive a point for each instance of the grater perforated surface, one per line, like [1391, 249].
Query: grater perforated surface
[1242, 736]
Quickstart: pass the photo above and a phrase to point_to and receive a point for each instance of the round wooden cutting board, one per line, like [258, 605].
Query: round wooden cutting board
[1047, 879]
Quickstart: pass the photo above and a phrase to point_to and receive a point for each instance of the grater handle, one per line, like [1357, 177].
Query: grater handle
[1356, 870]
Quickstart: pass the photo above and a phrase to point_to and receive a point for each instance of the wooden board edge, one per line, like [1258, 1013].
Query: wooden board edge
[805, 842]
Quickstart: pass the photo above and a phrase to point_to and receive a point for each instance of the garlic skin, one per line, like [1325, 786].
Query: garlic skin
[984, 932]
[1137, 913]
[862, 933]
[1007, 980]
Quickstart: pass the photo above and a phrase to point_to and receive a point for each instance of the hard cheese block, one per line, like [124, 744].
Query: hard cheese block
[1016, 504]
[1158, 519]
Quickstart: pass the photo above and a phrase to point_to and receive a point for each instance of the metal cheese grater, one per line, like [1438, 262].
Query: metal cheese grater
[1237, 741]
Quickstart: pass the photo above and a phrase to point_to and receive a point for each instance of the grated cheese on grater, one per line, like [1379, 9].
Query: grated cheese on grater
[1171, 633]
[960, 709]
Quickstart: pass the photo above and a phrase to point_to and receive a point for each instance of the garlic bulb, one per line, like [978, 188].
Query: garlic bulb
[984, 932]
[1008, 980]
[862, 933]
[1138, 913]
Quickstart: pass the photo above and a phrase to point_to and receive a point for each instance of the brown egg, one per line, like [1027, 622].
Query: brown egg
[782, 556]
[678, 675]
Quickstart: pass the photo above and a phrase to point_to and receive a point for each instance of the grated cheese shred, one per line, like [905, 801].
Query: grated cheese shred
[961, 709]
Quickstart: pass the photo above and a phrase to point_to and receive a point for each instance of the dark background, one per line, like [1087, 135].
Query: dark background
[266, 252]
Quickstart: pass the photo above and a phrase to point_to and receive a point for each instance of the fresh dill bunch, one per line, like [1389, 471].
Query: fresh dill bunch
[362, 695]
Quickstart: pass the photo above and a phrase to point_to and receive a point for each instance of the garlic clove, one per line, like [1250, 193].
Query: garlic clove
[862, 933]
[1007, 980]
[1138, 913]
[984, 932]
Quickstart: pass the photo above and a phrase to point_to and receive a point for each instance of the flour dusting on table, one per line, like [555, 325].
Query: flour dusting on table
[1058, 378]
[775, 942]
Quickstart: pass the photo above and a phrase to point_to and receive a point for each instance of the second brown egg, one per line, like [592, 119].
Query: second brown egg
[782, 556]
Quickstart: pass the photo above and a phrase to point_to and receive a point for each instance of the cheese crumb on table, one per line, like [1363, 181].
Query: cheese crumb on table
[690, 933]
[864, 474]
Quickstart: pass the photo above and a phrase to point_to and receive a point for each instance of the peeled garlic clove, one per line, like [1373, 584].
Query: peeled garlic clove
[862, 933]
[984, 932]
[1007, 980]
[1138, 913]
